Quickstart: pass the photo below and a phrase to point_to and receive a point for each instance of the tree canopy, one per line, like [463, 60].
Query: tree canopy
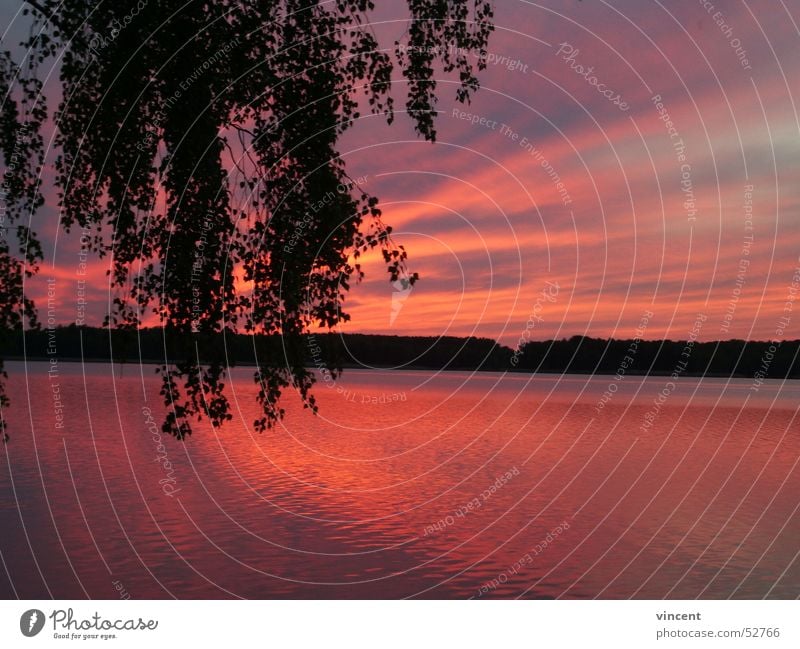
[198, 143]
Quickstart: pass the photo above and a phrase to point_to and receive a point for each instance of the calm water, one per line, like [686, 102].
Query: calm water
[409, 484]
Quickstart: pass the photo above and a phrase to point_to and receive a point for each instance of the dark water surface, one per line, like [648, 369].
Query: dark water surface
[408, 484]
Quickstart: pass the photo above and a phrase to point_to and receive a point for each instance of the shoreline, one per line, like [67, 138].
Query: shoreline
[410, 368]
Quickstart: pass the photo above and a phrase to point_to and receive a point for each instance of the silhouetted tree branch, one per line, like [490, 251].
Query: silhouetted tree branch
[198, 144]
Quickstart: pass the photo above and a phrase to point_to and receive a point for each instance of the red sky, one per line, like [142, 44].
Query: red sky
[488, 230]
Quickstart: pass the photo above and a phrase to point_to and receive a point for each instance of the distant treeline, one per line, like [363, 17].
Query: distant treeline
[153, 345]
[581, 355]
[578, 354]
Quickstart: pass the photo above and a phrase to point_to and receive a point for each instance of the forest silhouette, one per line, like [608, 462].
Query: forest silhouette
[575, 355]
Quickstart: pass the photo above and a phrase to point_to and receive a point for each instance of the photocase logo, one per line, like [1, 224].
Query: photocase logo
[401, 289]
[31, 622]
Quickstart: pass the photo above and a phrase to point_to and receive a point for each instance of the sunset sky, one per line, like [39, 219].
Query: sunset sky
[700, 219]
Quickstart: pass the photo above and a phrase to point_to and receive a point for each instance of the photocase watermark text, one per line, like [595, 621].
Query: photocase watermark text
[547, 294]
[569, 55]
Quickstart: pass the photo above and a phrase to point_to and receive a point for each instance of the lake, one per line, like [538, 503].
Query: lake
[407, 484]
